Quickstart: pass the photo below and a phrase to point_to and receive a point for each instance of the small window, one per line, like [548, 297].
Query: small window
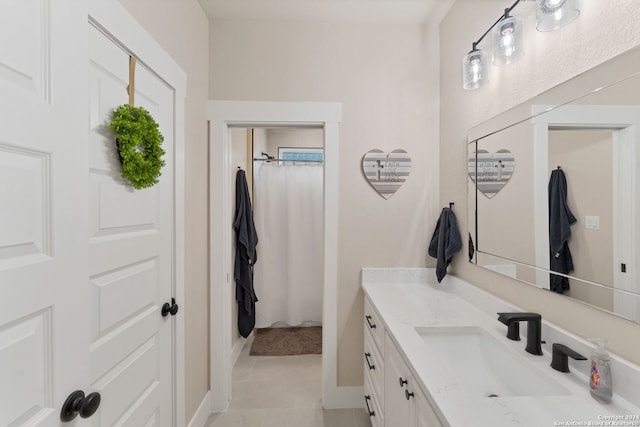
[291, 153]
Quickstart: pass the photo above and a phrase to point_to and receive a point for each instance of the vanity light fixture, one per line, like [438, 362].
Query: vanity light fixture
[475, 70]
[508, 40]
[554, 14]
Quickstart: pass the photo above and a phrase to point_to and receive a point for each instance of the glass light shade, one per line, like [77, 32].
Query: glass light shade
[475, 70]
[507, 41]
[554, 14]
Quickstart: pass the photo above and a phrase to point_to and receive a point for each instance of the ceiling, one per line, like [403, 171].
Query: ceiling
[383, 11]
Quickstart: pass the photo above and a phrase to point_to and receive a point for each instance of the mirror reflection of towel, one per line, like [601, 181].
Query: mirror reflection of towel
[446, 241]
[560, 220]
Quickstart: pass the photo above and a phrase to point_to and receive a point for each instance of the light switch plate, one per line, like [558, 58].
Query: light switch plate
[592, 223]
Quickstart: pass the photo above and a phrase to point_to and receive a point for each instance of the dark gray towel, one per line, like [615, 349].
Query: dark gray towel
[246, 256]
[446, 241]
[560, 220]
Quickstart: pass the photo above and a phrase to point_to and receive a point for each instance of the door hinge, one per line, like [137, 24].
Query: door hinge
[623, 267]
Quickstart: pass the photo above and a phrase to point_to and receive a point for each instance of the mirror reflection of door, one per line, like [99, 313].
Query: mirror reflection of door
[585, 156]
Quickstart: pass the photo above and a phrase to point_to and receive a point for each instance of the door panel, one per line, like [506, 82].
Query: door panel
[44, 326]
[27, 198]
[131, 274]
[26, 354]
[24, 65]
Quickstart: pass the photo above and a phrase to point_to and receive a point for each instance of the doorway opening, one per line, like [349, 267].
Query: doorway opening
[224, 116]
[284, 172]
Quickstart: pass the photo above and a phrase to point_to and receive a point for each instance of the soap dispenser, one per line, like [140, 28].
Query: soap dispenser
[600, 376]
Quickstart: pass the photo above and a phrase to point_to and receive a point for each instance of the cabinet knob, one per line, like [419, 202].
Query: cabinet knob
[402, 381]
[408, 394]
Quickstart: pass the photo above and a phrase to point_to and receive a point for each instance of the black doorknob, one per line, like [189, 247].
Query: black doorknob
[170, 309]
[79, 404]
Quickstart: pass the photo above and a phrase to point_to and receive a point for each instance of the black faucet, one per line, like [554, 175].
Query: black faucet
[560, 357]
[534, 329]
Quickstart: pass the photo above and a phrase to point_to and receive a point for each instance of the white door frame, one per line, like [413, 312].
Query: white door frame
[624, 120]
[110, 17]
[222, 115]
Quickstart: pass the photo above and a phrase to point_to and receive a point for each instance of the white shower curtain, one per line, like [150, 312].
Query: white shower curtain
[288, 213]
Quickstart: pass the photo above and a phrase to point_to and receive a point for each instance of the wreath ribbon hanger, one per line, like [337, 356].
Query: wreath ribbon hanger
[132, 80]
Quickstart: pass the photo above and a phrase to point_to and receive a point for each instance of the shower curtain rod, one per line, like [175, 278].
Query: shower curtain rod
[288, 160]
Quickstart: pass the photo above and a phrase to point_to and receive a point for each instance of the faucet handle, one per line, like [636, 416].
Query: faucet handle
[560, 357]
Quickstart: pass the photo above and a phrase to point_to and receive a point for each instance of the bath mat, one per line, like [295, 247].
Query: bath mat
[287, 341]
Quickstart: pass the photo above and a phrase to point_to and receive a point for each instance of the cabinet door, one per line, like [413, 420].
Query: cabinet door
[397, 378]
[424, 414]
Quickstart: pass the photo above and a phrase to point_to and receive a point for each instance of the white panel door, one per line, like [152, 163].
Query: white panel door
[131, 260]
[44, 316]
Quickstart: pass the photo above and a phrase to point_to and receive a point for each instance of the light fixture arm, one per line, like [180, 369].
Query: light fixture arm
[504, 16]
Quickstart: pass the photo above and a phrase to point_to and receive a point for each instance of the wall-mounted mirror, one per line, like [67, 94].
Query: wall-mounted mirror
[554, 189]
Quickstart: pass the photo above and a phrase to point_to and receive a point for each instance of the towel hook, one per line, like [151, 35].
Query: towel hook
[451, 205]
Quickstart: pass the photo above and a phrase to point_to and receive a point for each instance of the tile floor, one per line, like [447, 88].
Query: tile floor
[282, 391]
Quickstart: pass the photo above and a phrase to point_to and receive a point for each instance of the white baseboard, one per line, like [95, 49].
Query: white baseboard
[237, 349]
[202, 413]
[344, 398]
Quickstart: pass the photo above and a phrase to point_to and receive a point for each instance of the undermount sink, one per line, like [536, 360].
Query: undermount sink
[480, 362]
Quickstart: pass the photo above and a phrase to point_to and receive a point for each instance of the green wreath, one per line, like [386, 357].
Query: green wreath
[139, 144]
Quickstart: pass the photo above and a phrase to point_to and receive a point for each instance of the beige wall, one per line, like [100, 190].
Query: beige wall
[293, 138]
[385, 76]
[181, 27]
[601, 32]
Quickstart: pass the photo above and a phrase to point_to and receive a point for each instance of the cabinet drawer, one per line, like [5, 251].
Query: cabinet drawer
[373, 324]
[372, 405]
[374, 366]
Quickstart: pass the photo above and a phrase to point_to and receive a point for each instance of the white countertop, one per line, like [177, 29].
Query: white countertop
[406, 304]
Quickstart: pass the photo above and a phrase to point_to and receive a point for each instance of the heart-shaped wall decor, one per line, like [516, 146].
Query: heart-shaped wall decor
[386, 172]
[492, 171]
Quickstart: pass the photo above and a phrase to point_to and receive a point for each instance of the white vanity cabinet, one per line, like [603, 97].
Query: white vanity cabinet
[407, 307]
[405, 403]
[392, 395]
